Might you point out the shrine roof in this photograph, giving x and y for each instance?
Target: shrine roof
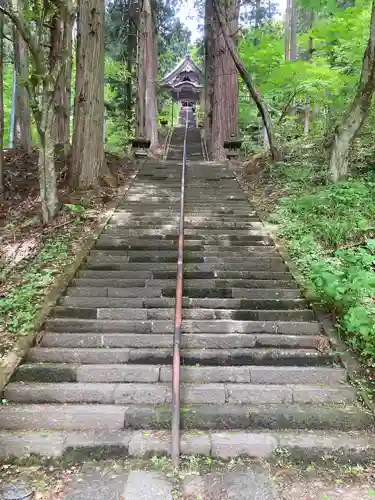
(186, 65)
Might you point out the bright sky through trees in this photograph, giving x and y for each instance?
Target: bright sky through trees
(187, 15)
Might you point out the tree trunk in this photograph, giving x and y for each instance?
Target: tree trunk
(288, 11)
(310, 48)
(22, 122)
(61, 41)
(46, 162)
(225, 85)
(293, 30)
(254, 92)
(129, 79)
(151, 118)
(88, 147)
(2, 184)
(141, 74)
(209, 71)
(358, 110)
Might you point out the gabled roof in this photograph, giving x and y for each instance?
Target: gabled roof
(185, 65)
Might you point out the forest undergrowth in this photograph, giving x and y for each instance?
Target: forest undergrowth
(32, 255)
(329, 233)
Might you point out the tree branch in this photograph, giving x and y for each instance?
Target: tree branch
(26, 34)
(254, 92)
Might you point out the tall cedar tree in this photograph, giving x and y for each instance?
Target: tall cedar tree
(88, 143)
(22, 122)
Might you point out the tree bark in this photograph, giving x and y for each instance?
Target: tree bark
(22, 123)
(254, 92)
(288, 11)
(141, 74)
(46, 163)
(61, 41)
(88, 147)
(310, 48)
(209, 71)
(357, 112)
(225, 81)
(293, 30)
(2, 183)
(151, 118)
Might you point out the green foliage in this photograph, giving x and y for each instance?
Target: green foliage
(8, 88)
(346, 282)
(327, 77)
(328, 234)
(19, 308)
(335, 214)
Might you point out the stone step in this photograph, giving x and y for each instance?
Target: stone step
(144, 222)
(143, 314)
(198, 251)
(104, 417)
(233, 225)
(306, 446)
(192, 341)
(274, 265)
(246, 285)
(75, 292)
(67, 325)
(188, 275)
(121, 243)
(61, 371)
(170, 230)
(230, 262)
(207, 357)
(193, 292)
(159, 393)
(187, 303)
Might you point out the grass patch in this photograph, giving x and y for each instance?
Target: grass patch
(328, 231)
(18, 309)
(28, 273)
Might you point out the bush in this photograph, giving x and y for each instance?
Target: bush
(328, 233)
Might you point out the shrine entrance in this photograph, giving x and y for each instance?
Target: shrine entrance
(185, 84)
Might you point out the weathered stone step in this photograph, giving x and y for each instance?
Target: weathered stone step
(121, 313)
(204, 284)
(192, 292)
(300, 446)
(170, 250)
(209, 217)
(104, 417)
(318, 377)
(158, 393)
(265, 264)
(235, 225)
(132, 222)
(273, 263)
(192, 341)
(97, 302)
(188, 275)
(100, 292)
(121, 243)
(142, 222)
(207, 357)
(170, 230)
(67, 325)
(248, 265)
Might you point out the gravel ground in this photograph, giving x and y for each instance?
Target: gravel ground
(292, 482)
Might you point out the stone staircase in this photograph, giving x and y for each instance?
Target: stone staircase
(251, 356)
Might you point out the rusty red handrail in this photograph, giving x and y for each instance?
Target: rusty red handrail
(178, 320)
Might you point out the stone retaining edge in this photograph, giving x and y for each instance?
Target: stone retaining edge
(326, 319)
(299, 446)
(11, 361)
